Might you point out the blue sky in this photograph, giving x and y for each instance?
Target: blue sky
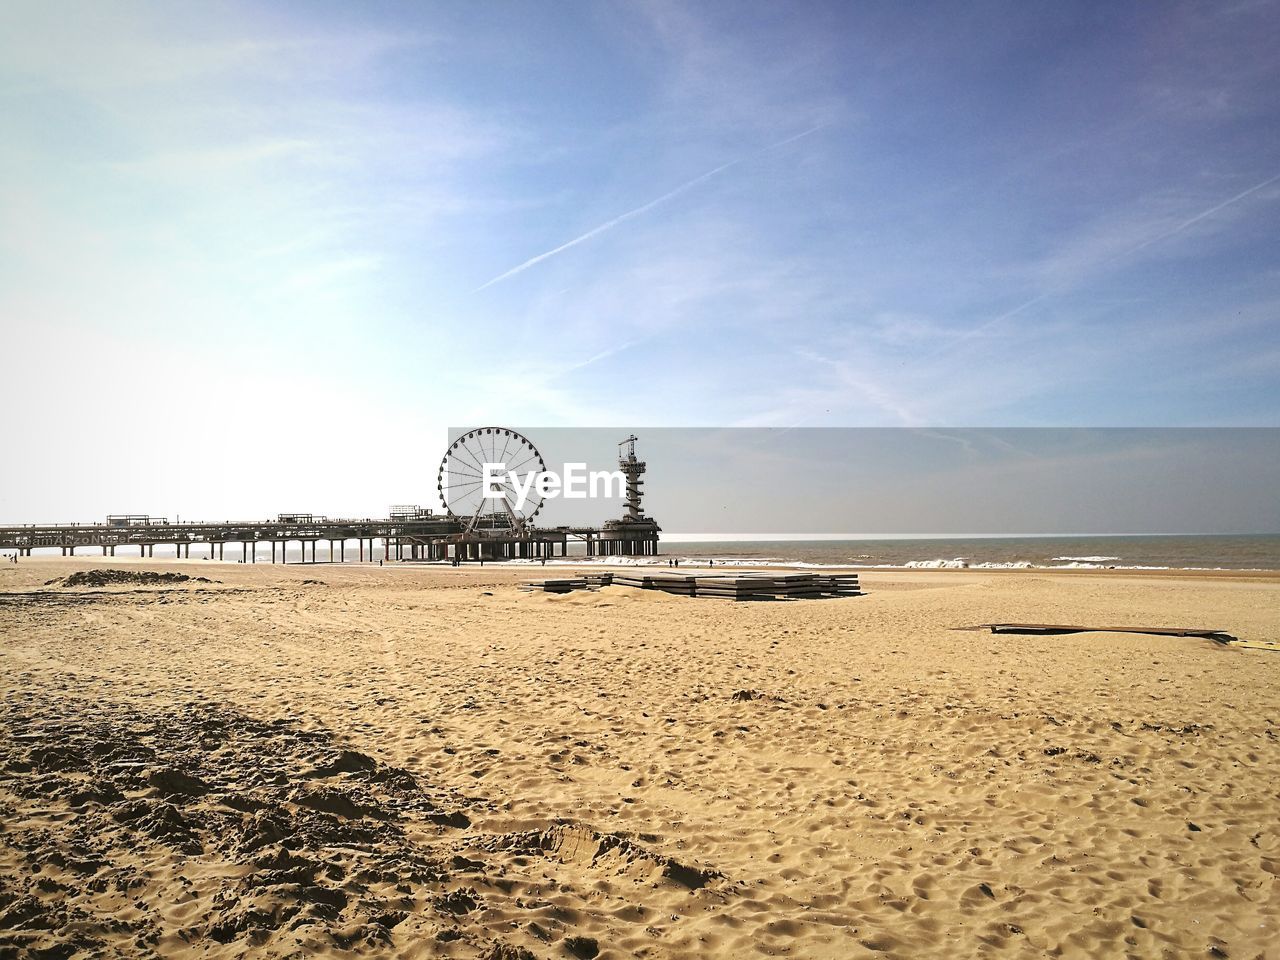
(276, 237)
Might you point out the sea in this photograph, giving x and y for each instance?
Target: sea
(1165, 552)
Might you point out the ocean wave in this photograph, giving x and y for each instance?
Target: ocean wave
(963, 563)
(1086, 559)
(957, 563)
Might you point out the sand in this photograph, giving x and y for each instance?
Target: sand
(413, 762)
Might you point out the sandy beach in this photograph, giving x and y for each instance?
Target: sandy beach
(415, 761)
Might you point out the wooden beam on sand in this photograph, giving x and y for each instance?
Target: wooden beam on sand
(1221, 636)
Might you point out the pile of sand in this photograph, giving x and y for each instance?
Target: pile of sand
(103, 578)
(135, 830)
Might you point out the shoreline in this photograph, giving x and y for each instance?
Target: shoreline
(531, 567)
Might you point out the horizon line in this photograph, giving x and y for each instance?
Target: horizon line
(681, 537)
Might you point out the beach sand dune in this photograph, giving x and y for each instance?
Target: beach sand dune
(420, 762)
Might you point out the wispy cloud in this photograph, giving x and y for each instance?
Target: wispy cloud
(597, 357)
(1090, 266)
(871, 391)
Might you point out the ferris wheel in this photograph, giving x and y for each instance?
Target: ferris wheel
(460, 480)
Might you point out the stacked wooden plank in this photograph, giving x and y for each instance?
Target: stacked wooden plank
(679, 583)
(842, 585)
(556, 586)
(758, 586)
(748, 585)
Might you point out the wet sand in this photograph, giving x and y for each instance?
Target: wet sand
(412, 761)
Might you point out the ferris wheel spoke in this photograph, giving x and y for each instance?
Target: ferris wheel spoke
(515, 494)
(457, 462)
(529, 459)
(464, 473)
(472, 457)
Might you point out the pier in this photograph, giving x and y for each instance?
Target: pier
(324, 540)
(408, 533)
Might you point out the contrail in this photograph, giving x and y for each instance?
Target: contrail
(630, 214)
(608, 225)
(1200, 216)
(799, 136)
(983, 327)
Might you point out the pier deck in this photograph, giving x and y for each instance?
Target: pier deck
(422, 538)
